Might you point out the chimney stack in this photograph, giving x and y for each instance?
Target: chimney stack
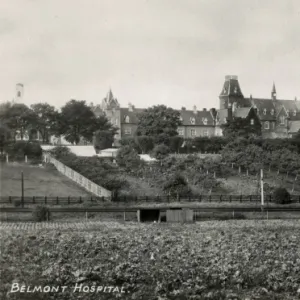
(130, 107)
(204, 109)
(195, 109)
(183, 108)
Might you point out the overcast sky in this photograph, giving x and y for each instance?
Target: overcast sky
(174, 52)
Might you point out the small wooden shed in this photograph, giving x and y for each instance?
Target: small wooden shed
(181, 215)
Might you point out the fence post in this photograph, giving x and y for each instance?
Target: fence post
(233, 214)
(200, 198)
(80, 201)
(230, 198)
(57, 201)
(103, 198)
(220, 198)
(91, 198)
(68, 199)
(241, 198)
(86, 215)
(124, 216)
(7, 158)
(209, 198)
(9, 199)
(45, 199)
(26, 160)
(33, 199)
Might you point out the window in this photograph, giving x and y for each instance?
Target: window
(205, 133)
(19, 94)
(252, 121)
(180, 131)
(204, 120)
(288, 113)
(180, 118)
(193, 132)
(127, 120)
(127, 130)
(265, 111)
(282, 120)
(267, 125)
(273, 125)
(117, 121)
(294, 113)
(272, 111)
(192, 121)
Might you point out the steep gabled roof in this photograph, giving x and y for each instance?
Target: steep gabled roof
(242, 112)
(264, 104)
(187, 115)
(133, 118)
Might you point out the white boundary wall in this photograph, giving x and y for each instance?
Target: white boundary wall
(90, 186)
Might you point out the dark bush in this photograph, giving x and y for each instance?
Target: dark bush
(160, 151)
(41, 213)
(17, 150)
(281, 196)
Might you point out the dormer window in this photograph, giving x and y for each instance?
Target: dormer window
(180, 118)
(127, 119)
(294, 113)
(235, 90)
(272, 111)
(288, 113)
(193, 121)
(265, 111)
(204, 120)
(252, 121)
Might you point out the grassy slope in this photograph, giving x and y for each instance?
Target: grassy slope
(37, 182)
(211, 259)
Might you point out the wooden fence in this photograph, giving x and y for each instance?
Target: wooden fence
(87, 184)
(146, 199)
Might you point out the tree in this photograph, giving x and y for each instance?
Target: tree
(45, 120)
(157, 120)
(104, 135)
(176, 143)
(176, 186)
(241, 127)
(77, 120)
(128, 158)
(18, 118)
(160, 151)
(145, 143)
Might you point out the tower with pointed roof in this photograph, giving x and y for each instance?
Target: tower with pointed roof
(231, 93)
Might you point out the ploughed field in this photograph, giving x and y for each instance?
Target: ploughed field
(208, 260)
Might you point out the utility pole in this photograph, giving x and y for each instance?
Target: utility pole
(262, 187)
(22, 183)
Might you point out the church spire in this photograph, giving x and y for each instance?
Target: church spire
(273, 93)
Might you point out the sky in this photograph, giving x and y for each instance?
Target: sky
(149, 52)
